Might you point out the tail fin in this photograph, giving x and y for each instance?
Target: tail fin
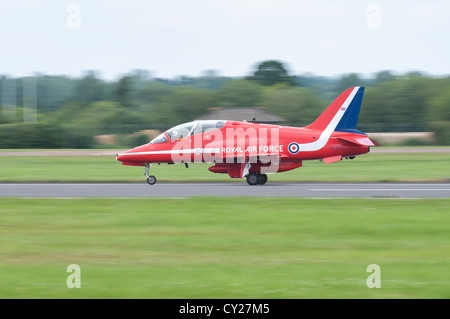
(342, 114)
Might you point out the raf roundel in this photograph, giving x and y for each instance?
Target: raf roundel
(293, 148)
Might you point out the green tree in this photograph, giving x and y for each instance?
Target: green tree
(155, 91)
(441, 130)
(299, 106)
(108, 117)
(399, 105)
(185, 104)
(272, 72)
(347, 81)
(124, 91)
(439, 107)
(384, 76)
(90, 89)
(439, 116)
(67, 113)
(241, 93)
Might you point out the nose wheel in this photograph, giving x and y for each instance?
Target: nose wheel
(150, 178)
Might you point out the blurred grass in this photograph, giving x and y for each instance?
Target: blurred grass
(366, 168)
(224, 247)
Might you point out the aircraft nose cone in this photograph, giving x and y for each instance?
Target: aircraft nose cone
(125, 156)
(134, 155)
(119, 157)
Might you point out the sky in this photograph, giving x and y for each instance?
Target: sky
(171, 38)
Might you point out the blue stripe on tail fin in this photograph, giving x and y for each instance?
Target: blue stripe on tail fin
(350, 118)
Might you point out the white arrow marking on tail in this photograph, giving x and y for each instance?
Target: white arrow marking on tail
(326, 133)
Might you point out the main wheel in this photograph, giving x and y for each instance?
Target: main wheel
(151, 180)
(252, 179)
(262, 179)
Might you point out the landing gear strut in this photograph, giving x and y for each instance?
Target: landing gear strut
(255, 179)
(150, 178)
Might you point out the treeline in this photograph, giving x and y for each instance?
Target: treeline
(80, 108)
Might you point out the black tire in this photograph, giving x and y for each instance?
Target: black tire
(262, 179)
(252, 179)
(151, 180)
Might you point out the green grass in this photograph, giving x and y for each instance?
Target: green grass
(365, 168)
(224, 248)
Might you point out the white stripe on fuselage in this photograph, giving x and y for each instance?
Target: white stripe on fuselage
(180, 151)
(326, 133)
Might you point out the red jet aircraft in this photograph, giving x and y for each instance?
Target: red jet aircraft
(249, 149)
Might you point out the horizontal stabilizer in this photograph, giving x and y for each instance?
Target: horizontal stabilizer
(363, 140)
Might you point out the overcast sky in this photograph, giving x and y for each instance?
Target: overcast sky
(186, 37)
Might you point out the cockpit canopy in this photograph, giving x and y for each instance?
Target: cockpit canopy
(188, 129)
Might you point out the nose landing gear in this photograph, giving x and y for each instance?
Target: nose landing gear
(150, 178)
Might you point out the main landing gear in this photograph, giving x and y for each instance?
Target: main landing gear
(150, 178)
(256, 178)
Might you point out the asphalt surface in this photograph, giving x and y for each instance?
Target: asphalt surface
(182, 190)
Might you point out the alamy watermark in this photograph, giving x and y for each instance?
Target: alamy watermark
(74, 279)
(374, 19)
(374, 279)
(73, 20)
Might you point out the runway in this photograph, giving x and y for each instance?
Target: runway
(183, 190)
